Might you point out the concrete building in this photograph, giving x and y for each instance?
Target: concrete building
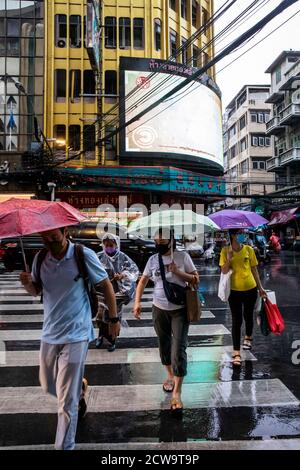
(77, 60)
(246, 145)
(284, 125)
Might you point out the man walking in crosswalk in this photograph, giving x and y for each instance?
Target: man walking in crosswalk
(67, 327)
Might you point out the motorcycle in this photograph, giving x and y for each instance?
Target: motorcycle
(263, 253)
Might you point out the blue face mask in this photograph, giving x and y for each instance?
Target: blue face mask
(241, 237)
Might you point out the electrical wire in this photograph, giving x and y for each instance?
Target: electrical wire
(156, 89)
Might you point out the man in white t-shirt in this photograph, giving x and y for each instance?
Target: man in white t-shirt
(170, 319)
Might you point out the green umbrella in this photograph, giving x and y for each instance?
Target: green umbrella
(182, 222)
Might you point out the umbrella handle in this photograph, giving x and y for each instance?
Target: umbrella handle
(24, 257)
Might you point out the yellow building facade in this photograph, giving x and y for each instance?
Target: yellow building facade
(129, 28)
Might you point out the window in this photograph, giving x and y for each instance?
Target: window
(243, 145)
(74, 137)
(75, 31)
(204, 19)
(184, 51)
(110, 32)
(89, 138)
(233, 152)
(267, 117)
(74, 84)
(278, 75)
(110, 82)
(172, 4)
(195, 56)
(267, 141)
(253, 117)
(184, 9)
(205, 58)
(124, 33)
(61, 30)
(173, 43)
(13, 27)
(231, 131)
(110, 142)
(195, 7)
(60, 84)
(157, 34)
(242, 122)
(138, 33)
(261, 141)
(254, 141)
(258, 164)
(261, 118)
(60, 136)
(244, 167)
(89, 85)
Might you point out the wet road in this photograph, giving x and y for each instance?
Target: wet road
(259, 401)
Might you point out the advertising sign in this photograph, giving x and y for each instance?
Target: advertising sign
(93, 33)
(187, 127)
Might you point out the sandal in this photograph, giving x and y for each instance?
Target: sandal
(247, 344)
(176, 405)
(168, 385)
(236, 360)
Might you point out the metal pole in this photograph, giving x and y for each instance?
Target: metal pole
(24, 257)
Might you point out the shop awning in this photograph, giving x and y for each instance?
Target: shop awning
(282, 217)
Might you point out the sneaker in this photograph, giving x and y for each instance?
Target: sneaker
(82, 406)
(99, 342)
(111, 347)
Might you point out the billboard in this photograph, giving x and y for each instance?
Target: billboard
(187, 128)
(93, 33)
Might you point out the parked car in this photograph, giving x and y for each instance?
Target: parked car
(87, 233)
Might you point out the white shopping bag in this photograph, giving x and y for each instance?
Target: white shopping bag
(257, 306)
(224, 286)
(271, 296)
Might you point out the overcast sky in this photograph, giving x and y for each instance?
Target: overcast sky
(250, 69)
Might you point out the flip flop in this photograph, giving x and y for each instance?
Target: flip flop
(168, 385)
(176, 405)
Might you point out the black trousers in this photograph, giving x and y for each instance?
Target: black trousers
(242, 303)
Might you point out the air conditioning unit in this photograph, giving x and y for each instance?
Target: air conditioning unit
(61, 43)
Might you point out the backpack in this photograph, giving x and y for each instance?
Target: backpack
(83, 272)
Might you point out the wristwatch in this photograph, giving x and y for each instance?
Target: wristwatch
(114, 319)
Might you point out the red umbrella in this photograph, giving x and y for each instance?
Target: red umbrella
(20, 217)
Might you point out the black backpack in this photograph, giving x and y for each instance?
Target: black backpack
(83, 272)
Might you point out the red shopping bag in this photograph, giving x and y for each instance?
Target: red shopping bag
(275, 320)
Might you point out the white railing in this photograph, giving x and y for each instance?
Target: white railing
(290, 155)
(291, 110)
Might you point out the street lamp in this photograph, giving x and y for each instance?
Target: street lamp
(21, 89)
(52, 187)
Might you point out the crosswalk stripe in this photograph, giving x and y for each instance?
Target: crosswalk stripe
(136, 332)
(126, 316)
(130, 356)
(102, 399)
(270, 444)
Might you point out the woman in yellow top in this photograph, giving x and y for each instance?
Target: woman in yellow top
(245, 281)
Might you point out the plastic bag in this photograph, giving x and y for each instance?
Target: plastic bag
(224, 286)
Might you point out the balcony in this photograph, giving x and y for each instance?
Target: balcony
(273, 126)
(273, 163)
(291, 155)
(290, 115)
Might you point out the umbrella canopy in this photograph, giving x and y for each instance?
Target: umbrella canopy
(20, 217)
(181, 221)
(228, 218)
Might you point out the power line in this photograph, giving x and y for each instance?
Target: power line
(111, 123)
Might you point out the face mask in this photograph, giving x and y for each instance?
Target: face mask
(241, 238)
(162, 249)
(110, 250)
(55, 248)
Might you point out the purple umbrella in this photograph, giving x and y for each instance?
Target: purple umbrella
(229, 218)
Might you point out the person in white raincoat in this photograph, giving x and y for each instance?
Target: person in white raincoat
(122, 272)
